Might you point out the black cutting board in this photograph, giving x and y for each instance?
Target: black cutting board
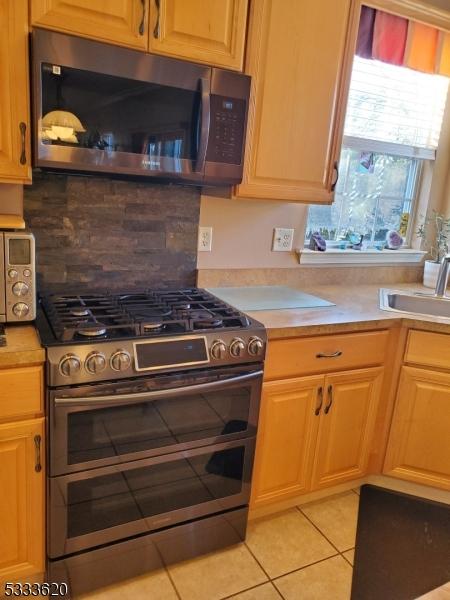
(402, 546)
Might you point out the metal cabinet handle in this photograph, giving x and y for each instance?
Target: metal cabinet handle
(158, 15)
(332, 355)
(336, 169)
(23, 130)
(330, 399)
(142, 23)
(320, 397)
(37, 448)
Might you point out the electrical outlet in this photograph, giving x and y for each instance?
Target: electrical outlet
(282, 239)
(204, 239)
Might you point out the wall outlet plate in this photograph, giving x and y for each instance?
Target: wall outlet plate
(282, 239)
(204, 239)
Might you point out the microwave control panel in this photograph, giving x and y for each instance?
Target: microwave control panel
(226, 130)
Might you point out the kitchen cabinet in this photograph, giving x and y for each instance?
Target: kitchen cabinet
(318, 413)
(419, 440)
(22, 500)
(210, 32)
(15, 166)
(122, 22)
(346, 426)
(299, 55)
(286, 438)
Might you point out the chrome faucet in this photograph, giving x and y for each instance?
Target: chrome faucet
(442, 280)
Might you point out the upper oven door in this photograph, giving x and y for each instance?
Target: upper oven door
(102, 425)
(2, 280)
(107, 109)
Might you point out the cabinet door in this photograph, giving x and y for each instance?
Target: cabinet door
(21, 500)
(296, 55)
(211, 32)
(14, 108)
(122, 22)
(346, 426)
(419, 441)
(286, 437)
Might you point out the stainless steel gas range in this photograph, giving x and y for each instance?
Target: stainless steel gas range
(152, 410)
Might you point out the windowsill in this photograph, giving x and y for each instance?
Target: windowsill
(334, 256)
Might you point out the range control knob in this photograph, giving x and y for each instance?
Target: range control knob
(69, 365)
(12, 273)
(218, 349)
(21, 309)
(95, 362)
(120, 360)
(237, 347)
(255, 346)
(20, 288)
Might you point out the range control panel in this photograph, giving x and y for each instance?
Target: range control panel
(226, 130)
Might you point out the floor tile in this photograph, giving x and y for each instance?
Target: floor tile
(153, 586)
(331, 578)
(336, 517)
(263, 592)
(350, 556)
(217, 575)
(285, 542)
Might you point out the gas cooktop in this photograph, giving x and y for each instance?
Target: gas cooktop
(89, 317)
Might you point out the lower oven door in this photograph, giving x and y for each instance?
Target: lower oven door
(106, 424)
(99, 506)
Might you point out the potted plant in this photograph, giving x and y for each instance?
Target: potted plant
(437, 241)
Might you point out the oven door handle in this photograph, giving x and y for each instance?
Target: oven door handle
(114, 400)
(204, 122)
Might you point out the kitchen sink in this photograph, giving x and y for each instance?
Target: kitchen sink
(416, 303)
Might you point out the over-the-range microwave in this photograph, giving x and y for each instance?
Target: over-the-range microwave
(99, 108)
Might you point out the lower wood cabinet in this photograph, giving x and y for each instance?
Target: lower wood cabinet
(314, 432)
(419, 440)
(21, 500)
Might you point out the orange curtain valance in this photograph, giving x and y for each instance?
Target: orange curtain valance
(402, 42)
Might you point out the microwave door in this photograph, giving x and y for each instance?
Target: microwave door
(2, 280)
(204, 122)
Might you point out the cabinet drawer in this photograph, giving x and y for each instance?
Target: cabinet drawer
(429, 349)
(20, 392)
(299, 356)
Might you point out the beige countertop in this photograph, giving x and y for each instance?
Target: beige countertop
(22, 347)
(357, 308)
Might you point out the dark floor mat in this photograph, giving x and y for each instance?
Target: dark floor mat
(402, 546)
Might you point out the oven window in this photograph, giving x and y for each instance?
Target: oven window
(107, 432)
(83, 109)
(110, 500)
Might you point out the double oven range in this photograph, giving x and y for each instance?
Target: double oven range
(152, 411)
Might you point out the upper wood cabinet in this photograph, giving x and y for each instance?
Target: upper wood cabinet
(419, 441)
(123, 22)
(211, 31)
(15, 165)
(22, 521)
(299, 55)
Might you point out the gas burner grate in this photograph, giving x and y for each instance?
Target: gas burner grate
(130, 315)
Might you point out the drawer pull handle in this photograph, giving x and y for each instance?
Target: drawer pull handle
(332, 355)
(320, 398)
(23, 130)
(37, 448)
(158, 15)
(142, 23)
(330, 401)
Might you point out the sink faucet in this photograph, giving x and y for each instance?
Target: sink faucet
(442, 280)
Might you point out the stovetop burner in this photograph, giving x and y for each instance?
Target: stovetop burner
(132, 315)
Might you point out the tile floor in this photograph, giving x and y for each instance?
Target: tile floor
(305, 553)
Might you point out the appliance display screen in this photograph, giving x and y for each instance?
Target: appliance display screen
(168, 353)
(19, 251)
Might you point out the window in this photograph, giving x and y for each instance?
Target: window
(393, 124)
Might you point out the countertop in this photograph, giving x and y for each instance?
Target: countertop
(22, 347)
(356, 308)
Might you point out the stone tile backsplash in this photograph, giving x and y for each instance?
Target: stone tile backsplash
(96, 233)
